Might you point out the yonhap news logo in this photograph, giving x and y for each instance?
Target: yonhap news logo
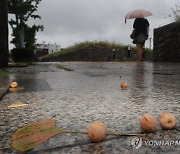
(138, 142)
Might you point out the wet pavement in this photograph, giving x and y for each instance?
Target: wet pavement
(92, 92)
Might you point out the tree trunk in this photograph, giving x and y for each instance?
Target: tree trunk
(21, 31)
(4, 52)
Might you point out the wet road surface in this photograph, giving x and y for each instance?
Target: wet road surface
(92, 92)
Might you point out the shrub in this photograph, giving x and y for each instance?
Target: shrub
(148, 51)
(22, 55)
(81, 45)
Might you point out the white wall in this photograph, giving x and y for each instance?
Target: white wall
(51, 47)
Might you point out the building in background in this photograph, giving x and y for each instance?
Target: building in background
(43, 49)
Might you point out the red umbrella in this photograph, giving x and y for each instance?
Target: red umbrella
(137, 14)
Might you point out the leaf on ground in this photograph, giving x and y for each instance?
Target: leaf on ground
(17, 104)
(33, 134)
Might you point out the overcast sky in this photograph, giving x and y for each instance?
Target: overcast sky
(71, 21)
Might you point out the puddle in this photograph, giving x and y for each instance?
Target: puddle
(33, 85)
(92, 74)
(157, 73)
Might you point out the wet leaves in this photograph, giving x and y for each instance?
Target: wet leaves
(34, 134)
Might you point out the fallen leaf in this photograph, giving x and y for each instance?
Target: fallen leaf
(17, 104)
(33, 134)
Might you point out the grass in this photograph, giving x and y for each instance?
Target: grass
(64, 68)
(81, 45)
(148, 51)
(107, 44)
(19, 64)
(3, 71)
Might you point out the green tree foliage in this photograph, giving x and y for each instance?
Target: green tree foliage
(29, 37)
(24, 35)
(176, 13)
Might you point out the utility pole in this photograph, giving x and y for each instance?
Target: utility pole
(150, 42)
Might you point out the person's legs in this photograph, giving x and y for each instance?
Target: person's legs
(139, 51)
(140, 44)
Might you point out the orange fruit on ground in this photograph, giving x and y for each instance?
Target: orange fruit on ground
(97, 131)
(14, 84)
(148, 123)
(123, 84)
(167, 120)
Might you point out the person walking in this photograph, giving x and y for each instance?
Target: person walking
(141, 32)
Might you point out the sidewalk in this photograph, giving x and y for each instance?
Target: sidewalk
(92, 92)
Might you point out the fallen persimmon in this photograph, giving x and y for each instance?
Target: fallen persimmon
(13, 84)
(123, 84)
(167, 120)
(148, 123)
(97, 131)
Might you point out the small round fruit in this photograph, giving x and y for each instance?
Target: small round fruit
(148, 123)
(167, 120)
(123, 84)
(14, 84)
(97, 131)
